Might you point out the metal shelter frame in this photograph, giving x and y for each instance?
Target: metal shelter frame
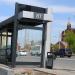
(13, 24)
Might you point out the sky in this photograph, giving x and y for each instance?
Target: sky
(61, 11)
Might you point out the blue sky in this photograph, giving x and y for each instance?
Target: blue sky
(61, 10)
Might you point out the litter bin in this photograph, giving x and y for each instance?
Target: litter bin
(49, 62)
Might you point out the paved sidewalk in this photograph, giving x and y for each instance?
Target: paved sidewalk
(43, 71)
(22, 71)
(57, 72)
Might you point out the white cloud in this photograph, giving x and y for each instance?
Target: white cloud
(29, 2)
(63, 9)
(56, 8)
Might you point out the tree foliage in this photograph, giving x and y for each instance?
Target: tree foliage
(70, 38)
(54, 47)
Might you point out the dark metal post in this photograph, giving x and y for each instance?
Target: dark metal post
(6, 44)
(1, 39)
(43, 45)
(14, 37)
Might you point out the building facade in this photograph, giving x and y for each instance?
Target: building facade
(69, 28)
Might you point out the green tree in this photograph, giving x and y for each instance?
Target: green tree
(70, 38)
(54, 47)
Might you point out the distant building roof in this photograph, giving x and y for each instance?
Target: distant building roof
(62, 44)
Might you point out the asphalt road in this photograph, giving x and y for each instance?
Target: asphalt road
(65, 63)
(28, 58)
(59, 63)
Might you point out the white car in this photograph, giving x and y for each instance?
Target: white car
(22, 53)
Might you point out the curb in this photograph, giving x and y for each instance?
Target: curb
(64, 69)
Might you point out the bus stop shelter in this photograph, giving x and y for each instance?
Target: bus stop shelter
(25, 17)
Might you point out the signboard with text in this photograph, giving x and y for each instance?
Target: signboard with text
(38, 15)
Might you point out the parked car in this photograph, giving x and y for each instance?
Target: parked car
(63, 52)
(22, 53)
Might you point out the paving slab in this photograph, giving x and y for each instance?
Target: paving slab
(22, 71)
(5, 70)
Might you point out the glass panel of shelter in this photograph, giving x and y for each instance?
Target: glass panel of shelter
(2, 50)
(29, 45)
(5, 47)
